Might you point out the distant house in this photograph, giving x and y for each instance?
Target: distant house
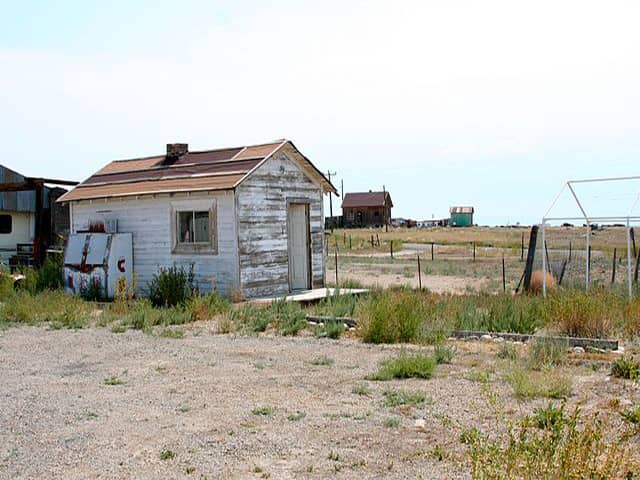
(30, 219)
(461, 216)
(247, 219)
(366, 209)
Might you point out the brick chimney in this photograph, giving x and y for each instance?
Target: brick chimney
(175, 151)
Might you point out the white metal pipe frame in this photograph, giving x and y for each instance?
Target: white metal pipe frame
(627, 219)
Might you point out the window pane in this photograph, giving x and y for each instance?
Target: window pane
(202, 227)
(185, 227)
(5, 224)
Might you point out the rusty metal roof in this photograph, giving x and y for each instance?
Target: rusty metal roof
(461, 210)
(220, 169)
(366, 199)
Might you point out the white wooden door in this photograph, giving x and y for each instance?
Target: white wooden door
(298, 246)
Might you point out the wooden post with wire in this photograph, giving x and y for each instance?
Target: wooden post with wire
(613, 271)
(336, 255)
(432, 255)
(419, 274)
(504, 276)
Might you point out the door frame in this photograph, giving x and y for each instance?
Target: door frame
(307, 210)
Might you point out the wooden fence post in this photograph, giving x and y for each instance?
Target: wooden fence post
(432, 257)
(570, 251)
(504, 276)
(349, 242)
(419, 274)
(613, 272)
(474, 251)
(522, 248)
(391, 247)
(337, 269)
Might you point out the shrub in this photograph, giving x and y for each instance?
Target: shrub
(330, 329)
(124, 294)
(114, 381)
(323, 361)
(49, 275)
(92, 291)
(6, 285)
(396, 398)
(532, 384)
(568, 450)
(205, 307)
(172, 333)
(499, 313)
(443, 354)
(142, 316)
(626, 367)
(225, 323)
(252, 319)
(263, 411)
(583, 314)
(54, 307)
(508, 351)
(296, 417)
(337, 305)
(171, 286)
(391, 316)
(289, 317)
(167, 455)
(632, 415)
(547, 352)
(405, 366)
(549, 417)
(392, 422)
(362, 390)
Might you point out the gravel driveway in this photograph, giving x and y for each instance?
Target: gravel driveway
(94, 404)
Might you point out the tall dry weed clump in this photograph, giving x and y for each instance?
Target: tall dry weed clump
(631, 322)
(571, 446)
(593, 314)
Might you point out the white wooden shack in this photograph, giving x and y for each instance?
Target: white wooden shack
(246, 218)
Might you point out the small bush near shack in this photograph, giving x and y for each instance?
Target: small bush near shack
(205, 307)
(171, 286)
(392, 316)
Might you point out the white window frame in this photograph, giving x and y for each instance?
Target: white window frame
(195, 248)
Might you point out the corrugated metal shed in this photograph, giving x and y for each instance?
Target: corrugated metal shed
(24, 201)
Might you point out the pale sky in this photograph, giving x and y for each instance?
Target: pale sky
(487, 103)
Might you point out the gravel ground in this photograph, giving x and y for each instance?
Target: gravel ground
(194, 399)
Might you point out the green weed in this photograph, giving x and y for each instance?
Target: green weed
(396, 398)
(405, 366)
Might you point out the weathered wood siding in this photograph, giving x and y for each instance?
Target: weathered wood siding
(150, 221)
(262, 225)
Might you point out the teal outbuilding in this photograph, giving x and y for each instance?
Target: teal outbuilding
(461, 216)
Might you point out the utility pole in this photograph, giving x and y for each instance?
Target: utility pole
(329, 174)
(385, 216)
